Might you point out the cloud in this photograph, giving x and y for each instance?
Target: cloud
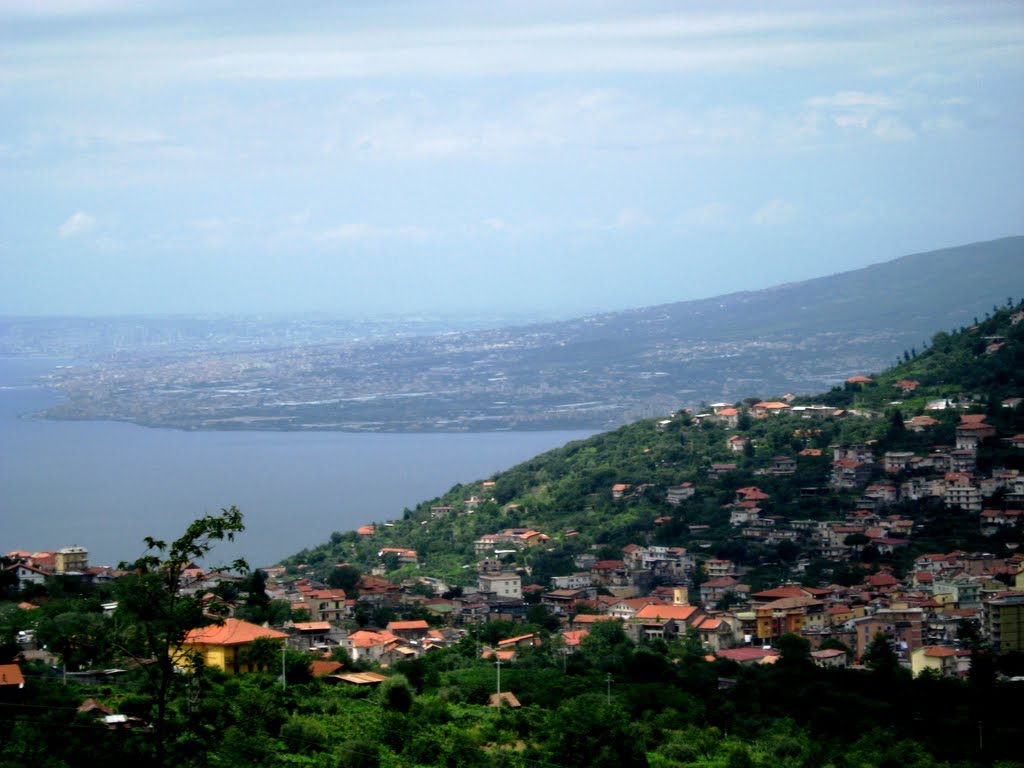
(945, 126)
(631, 218)
(358, 232)
(893, 129)
(78, 223)
(705, 216)
(848, 99)
(774, 213)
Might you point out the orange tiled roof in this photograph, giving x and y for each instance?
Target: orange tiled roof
(231, 632)
(10, 674)
(419, 624)
(677, 612)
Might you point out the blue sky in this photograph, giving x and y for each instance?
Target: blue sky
(560, 158)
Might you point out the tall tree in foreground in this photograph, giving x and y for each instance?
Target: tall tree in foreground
(155, 615)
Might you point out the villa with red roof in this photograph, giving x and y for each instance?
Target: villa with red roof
(224, 645)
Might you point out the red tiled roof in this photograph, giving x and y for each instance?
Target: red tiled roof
(320, 668)
(231, 632)
(418, 624)
(747, 654)
(676, 612)
(939, 651)
(10, 674)
(313, 626)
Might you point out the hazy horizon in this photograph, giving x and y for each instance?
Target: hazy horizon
(398, 159)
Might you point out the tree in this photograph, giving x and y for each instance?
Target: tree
(345, 577)
(880, 656)
(795, 652)
(153, 614)
(262, 654)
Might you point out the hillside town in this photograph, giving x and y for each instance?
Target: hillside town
(930, 615)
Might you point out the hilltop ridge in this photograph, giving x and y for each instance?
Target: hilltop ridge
(595, 372)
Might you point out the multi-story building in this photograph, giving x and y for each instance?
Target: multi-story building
(904, 628)
(326, 604)
(1004, 623)
(961, 492)
(506, 585)
(71, 560)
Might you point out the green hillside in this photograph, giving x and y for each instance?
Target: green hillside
(567, 494)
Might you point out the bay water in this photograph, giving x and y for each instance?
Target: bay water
(106, 485)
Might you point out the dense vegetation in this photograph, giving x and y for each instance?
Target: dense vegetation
(614, 703)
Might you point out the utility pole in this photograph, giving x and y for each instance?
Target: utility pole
(608, 684)
(284, 682)
(498, 665)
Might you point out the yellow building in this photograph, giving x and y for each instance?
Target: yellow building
(224, 645)
(71, 560)
(935, 657)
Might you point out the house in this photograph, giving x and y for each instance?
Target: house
(572, 639)
(324, 667)
(970, 435)
(663, 621)
(574, 581)
(506, 585)
(903, 627)
(829, 658)
(11, 677)
(409, 630)
(897, 461)
(770, 408)
(993, 519)
(71, 560)
(789, 615)
(848, 474)
(563, 601)
(404, 556)
(27, 575)
(361, 679)
(788, 590)
(326, 604)
(610, 573)
(920, 423)
(717, 632)
(364, 644)
(737, 443)
(938, 658)
(782, 465)
(713, 590)
(747, 656)
(716, 471)
(962, 493)
(310, 634)
(224, 646)
(717, 568)
(630, 607)
(676, 494)
(1003, 622)
(729, 416)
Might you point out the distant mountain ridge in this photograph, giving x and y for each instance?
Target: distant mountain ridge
(592, 372)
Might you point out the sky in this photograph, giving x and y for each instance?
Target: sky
(562, 158)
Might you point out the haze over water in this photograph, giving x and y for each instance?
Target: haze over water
(105, 485)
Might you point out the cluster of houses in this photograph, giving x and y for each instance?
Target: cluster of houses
(666, 592)
(648, 588)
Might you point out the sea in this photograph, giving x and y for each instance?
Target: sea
(107, 485)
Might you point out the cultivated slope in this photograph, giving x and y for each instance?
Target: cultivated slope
(595, 372)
